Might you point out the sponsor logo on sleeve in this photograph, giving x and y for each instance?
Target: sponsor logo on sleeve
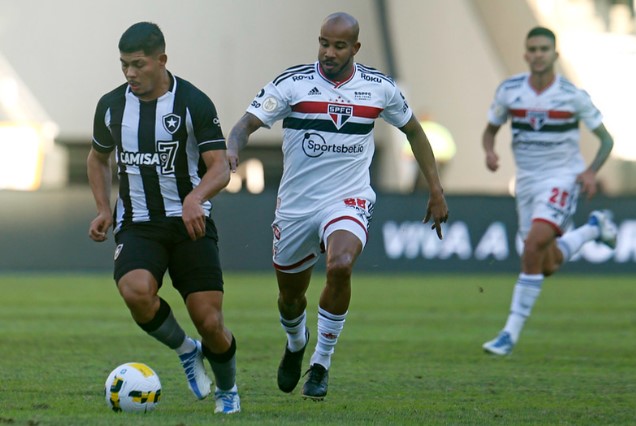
(270, 104)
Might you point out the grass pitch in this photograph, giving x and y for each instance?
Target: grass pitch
(410, 353)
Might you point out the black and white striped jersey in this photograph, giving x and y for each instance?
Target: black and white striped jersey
(157, 147)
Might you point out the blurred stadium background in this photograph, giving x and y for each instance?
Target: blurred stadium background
(58, 58)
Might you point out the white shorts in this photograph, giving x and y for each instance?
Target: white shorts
(552, 200)
(299, 241)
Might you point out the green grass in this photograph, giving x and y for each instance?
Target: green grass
(410, 353)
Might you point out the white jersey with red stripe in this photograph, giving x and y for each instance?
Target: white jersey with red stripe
(545, 125)
(328, 132)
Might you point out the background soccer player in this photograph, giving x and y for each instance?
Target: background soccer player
(325, 200)
(545, 110)
(160, 127)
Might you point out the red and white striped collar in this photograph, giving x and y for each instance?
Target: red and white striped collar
(337, 83)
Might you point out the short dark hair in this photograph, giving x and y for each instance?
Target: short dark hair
(542, 31)
(145, 36)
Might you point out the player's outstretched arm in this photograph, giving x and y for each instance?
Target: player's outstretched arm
(436, 209)
(239, 136)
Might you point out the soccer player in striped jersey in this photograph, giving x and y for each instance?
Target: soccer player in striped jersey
(545, 110)
(171, 157)
(325, 200)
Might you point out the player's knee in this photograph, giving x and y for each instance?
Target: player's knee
(136, 298)
(531, 247)
(550, 269)
(211, 324)
(553, 260)
(340, 267)
(139, 290)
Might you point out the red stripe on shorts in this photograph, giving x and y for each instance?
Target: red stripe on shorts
(295, 265)
(338, 219)
(557, 228)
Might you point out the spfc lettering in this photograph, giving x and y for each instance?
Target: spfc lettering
(340, 114)
(171, 123)
(362, 96)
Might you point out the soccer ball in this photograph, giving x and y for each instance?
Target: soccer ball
(133, 387)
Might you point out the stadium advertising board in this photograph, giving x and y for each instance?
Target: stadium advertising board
(479, 237)
(482, 236)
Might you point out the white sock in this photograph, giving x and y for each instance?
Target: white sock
(524, 296)
(329, 328)
(571, 242)
(295, 329)
(188, 345)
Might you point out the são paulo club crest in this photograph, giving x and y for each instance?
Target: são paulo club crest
(171, 123)
(340, 114)
(537, 119)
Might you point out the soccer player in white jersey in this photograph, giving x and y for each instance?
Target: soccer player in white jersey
(325, 200)
(545, 110)
(160, 127)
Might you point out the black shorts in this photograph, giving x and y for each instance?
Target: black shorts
(163, 245)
